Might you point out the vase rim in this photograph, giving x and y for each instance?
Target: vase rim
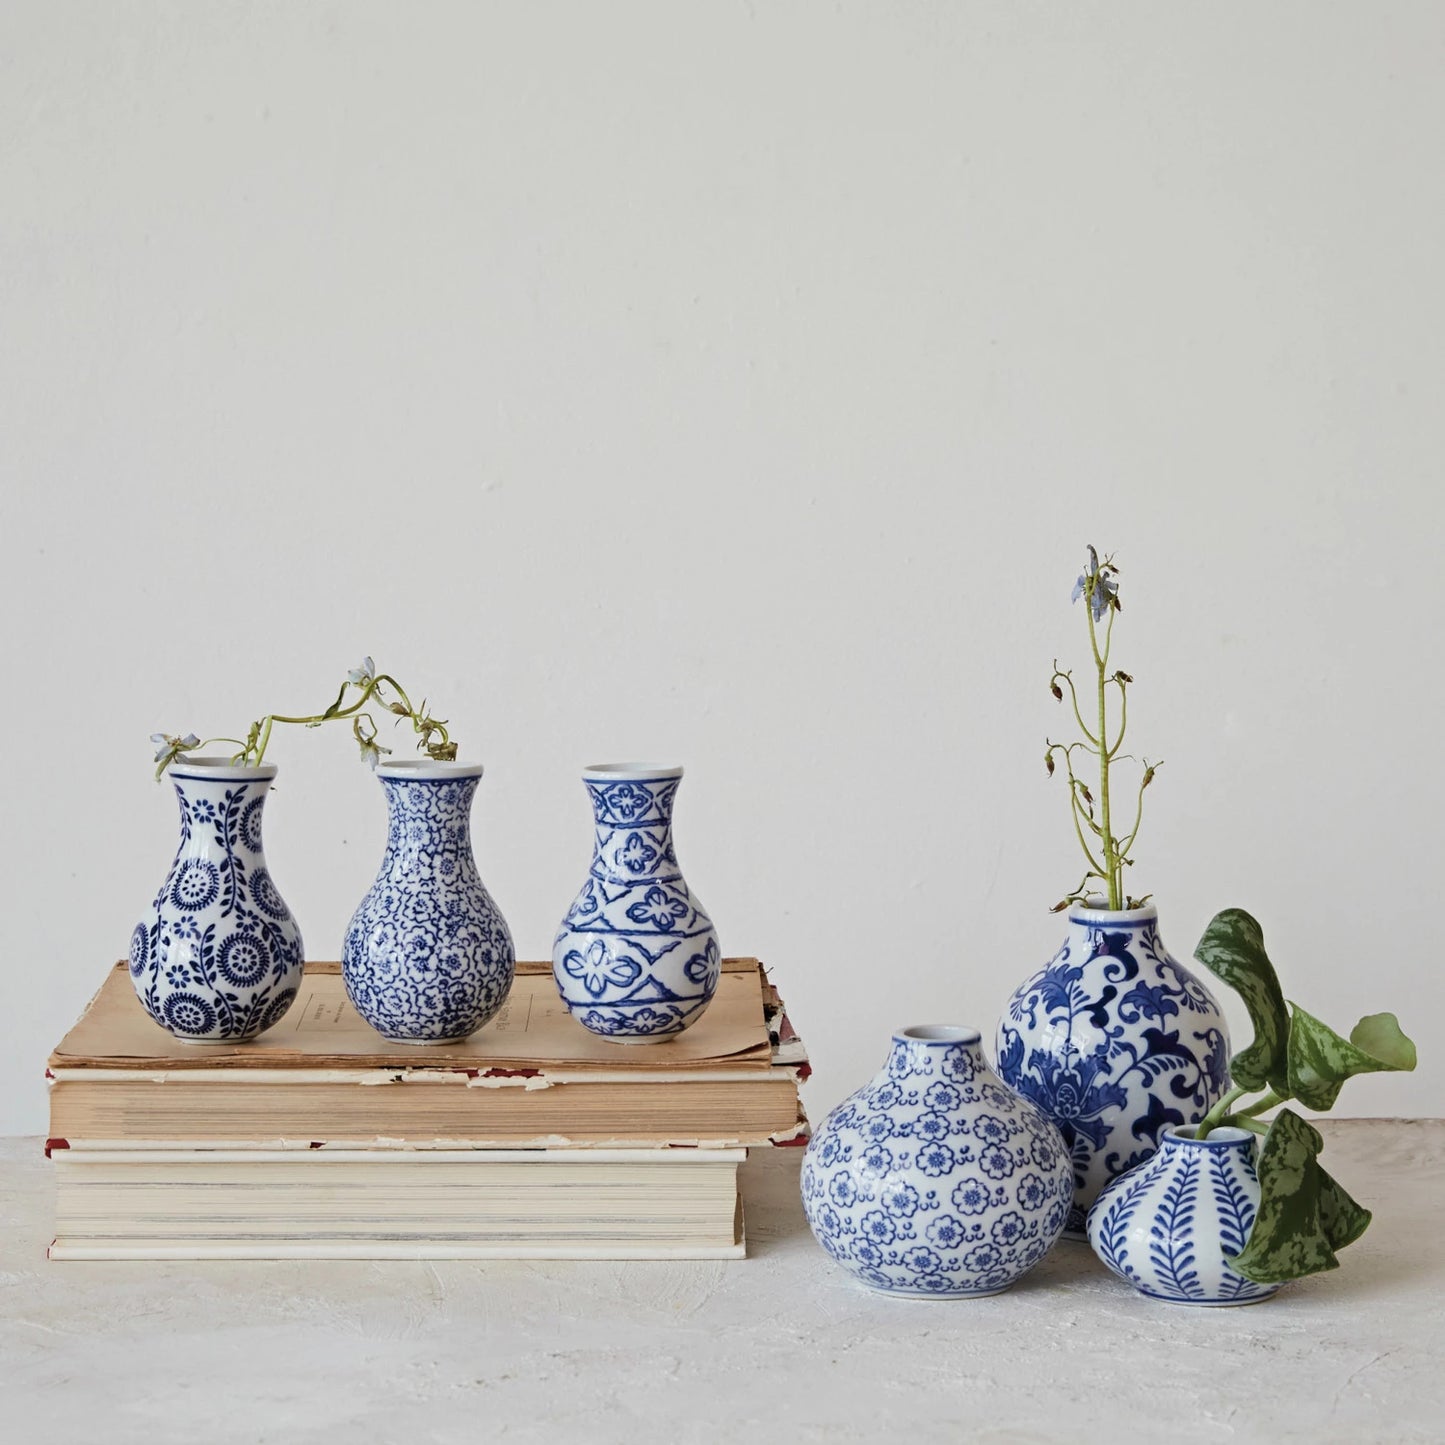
(938, 1035)
(1093, 913)
(629, 772)
(1224, 1137)
(222, 770)
(427, 769)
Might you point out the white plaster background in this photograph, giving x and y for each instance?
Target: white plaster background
(736, 384)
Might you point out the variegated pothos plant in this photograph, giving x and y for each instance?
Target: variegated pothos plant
(1304, 1215)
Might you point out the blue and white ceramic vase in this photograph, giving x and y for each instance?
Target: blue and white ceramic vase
(934, 1179)
(1116, 1041)
(218, 957)
(1167, 1224)
(428, 957)
(636, 959)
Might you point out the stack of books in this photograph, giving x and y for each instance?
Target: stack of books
(532, 1139)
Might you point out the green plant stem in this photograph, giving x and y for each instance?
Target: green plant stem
(1112, 869)
(1260, 1105)
(369, 690)
(1216, 1116)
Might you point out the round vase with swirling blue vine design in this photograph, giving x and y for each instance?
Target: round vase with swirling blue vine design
(1116, 1041)
(636, 959)
(935, 1179)
(218, 957)
(428, 957)
(1167, 1224)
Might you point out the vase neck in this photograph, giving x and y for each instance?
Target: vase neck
(936, 1051)
(1097, 930)
(429, 826)
(632, 819)
(1237, 1142)
(220, 815)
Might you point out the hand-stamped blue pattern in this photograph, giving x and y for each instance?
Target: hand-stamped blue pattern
(636, 958)
(1168, 1224)
(218, 956)
(1117, 1041)
(935, 1179)
(428, 957)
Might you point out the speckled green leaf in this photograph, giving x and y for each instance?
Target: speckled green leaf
(1319, 1060)
(1342, 1220)
(1233, 950)
(1289, 1239)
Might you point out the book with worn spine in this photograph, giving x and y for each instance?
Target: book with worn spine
(531, 1078)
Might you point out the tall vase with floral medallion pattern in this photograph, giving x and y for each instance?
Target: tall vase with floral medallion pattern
(428, 957)
(1168, 1224)
(1116, 1041)
(636, 959)
(934, 1179)
(218, 956)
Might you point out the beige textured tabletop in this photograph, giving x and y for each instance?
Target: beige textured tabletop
(781, 1346)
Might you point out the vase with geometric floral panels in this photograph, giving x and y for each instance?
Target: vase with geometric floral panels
(636, 959)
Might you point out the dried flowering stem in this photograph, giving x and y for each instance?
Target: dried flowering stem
(369, 686)
(1106, 852)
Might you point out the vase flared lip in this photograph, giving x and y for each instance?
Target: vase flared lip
(221, 770)
(1096, 911)
(939, 1035)
(427, 770)
(1224, 1137)
(629, 773)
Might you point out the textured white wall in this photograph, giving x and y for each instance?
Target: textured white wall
(738, 385)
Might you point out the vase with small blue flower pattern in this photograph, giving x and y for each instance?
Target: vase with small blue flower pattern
(1168, 1225)
(935, 1179)
(428, 957)
(636, 959)
(218, 957)
(1116, 1041)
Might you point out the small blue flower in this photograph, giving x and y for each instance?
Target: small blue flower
(364, 674)
(627, 800)
(1105, 587)
(899, 1198)
(879, 1227)
(997, 1162)
(660, 909)
(983, 1257)
(598, 968)
(866, 1252)
(946, 1232)
(935, 1160)
(876, 1127)
(931, 1127)
(990, 1129)
(168, 747)
(1007, 1228)
(1031, 1192)
(637, 855)
(971, 1196)
(922, 1260)
(877, 1160)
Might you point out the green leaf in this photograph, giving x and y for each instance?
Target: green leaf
(1342, 1220)
(1232, 949)
(1289, 1238)
(1381, 1036)
(1319, 1060)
